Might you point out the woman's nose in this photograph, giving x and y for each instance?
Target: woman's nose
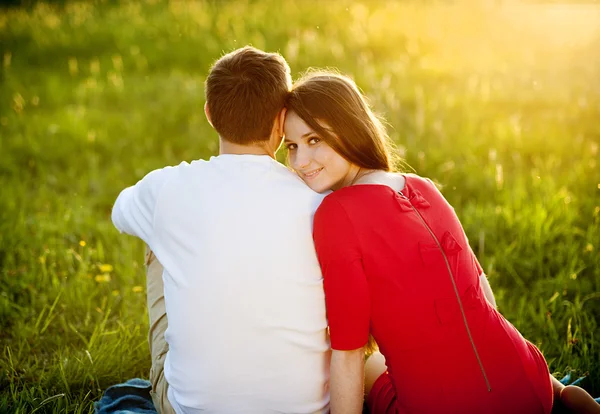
(302, 159)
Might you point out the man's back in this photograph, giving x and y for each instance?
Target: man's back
(243, 288)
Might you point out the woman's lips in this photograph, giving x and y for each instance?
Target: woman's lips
(313, 173)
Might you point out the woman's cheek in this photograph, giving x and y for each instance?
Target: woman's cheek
(321, 157)
(292, 160)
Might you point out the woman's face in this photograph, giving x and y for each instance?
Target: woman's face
(313, 159)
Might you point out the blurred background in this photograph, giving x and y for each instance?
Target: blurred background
(498, 102)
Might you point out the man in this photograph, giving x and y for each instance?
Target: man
(243, 295)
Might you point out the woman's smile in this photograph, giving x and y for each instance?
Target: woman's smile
(312, 174)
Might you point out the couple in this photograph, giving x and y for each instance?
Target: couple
(243, 293)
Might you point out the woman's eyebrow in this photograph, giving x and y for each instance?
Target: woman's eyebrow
(304, 136)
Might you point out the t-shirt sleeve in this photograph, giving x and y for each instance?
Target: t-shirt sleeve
(346, 290)
(133, 212)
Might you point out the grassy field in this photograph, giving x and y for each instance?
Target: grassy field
(500, 105)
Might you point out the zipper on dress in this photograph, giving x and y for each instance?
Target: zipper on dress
(462, 310)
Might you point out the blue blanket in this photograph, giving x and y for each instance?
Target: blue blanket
(133, 397)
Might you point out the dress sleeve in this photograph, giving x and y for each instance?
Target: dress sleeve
(133, 212)
(346, 289)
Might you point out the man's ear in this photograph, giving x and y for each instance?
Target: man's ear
(281, 122)
(207, 113)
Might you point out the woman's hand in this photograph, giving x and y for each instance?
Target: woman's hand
(347, 381)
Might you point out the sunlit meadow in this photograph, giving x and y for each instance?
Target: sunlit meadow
(499, 103)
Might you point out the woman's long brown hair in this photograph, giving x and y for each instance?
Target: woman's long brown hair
(332, 105)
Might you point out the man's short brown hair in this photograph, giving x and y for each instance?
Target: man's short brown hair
(245, 91)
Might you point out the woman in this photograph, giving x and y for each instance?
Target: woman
(397, 265)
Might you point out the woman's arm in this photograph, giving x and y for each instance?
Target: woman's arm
(348, 303)
(347, 381)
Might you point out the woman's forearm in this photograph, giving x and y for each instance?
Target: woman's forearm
(347, 381)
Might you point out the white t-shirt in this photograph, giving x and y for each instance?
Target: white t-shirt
(243, 288)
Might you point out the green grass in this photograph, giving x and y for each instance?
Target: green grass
(499, 107)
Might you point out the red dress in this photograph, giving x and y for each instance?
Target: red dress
(394, 265)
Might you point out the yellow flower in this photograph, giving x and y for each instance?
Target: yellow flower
(115, 292)
(95, 66)
(105, 268)
(137, 289)
(6, 59)
(103, 278)
(589, 247)
(91, 83)
(73, 67)
(82, 243)
(18, 103)
(117, 62)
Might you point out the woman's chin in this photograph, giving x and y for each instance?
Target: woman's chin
(318, 188)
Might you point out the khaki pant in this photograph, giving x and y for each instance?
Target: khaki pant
(155, 291)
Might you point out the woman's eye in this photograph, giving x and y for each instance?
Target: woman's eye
(314, 140)
(291, 147)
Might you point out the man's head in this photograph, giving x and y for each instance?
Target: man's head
(245, 94)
